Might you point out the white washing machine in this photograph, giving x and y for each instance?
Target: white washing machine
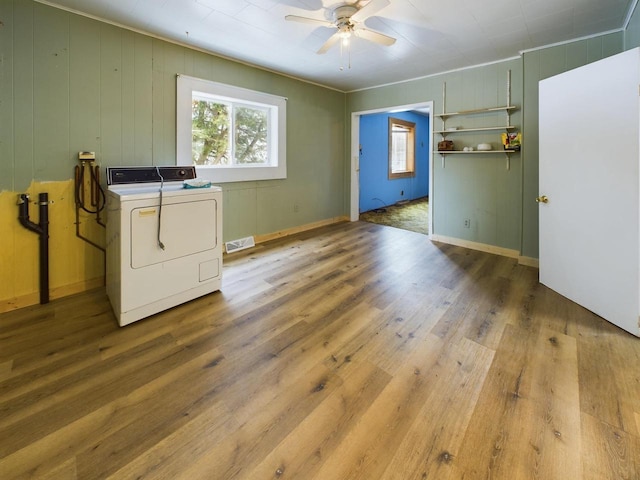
(164, 241)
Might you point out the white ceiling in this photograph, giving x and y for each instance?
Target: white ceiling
(433, 36)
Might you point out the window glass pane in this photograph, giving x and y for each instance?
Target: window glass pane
(399, 151)
(231, 134)
(401, 148)
(210, 132)
(251, 135)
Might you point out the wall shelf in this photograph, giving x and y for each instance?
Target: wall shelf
(480, 129)
(507, 127)
(507, 108)
(462, 152)
(507, 153)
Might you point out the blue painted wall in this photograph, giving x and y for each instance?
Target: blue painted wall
(376, 190)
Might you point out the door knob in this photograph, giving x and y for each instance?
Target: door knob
(542, 199)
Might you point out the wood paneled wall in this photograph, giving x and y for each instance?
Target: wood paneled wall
(70, 84)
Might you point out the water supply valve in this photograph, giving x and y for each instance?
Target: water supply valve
(86, 157)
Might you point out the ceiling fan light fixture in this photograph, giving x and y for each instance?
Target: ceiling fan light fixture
(348, 20)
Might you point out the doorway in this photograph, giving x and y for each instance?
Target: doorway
(393, 193)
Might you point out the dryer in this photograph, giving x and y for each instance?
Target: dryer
(164, 241)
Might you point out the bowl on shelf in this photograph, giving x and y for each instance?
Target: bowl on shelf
(484, 147)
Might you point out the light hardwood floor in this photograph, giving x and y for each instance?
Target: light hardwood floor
(354, 351)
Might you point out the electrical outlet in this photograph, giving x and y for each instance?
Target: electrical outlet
(296, 208)
(467, 223)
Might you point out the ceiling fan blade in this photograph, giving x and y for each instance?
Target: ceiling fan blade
(375, 37)
(333, 39)
(370, 9)
(313, 21)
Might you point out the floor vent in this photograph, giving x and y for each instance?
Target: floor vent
(239, 244)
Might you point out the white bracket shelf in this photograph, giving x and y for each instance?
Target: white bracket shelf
(507, 109)
(444, 133)
(507, 154)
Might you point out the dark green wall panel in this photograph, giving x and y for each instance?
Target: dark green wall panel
(143, 101)
(576, 55)
(632, 34)
(6, 100)
(128, 109)
(84, 75)
(110, 117)
(80, 84)
(52, 156)
(612, 44)
(174, 63)
(69, 83)
(23, 81)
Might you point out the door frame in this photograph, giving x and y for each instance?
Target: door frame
(355, 157)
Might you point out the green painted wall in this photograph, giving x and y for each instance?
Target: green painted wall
(475, 187)
(69, 83)
(500, 202)
(632, 33)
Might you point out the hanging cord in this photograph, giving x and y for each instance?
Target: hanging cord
(160, 244)
(98, 198)
(97, 193)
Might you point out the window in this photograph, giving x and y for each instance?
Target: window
(229, 133)
(401, 148)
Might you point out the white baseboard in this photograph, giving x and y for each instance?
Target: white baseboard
(529, 261)
(301, 228)
(482, 247)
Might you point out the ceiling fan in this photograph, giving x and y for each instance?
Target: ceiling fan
(348, 19)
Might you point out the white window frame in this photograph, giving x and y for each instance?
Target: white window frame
(277, 107)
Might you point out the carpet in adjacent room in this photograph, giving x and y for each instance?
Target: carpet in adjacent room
(412, 215)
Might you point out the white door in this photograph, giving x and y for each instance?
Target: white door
(589, 156)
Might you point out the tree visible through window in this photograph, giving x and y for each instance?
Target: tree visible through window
(401, 148)
(251, 129)
(228, 133)
(210, 133)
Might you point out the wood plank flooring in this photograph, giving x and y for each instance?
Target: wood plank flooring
(354, 351)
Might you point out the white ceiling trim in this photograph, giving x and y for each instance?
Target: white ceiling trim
(431, 75)
(185, 45)
(566, 42)
(431, 38)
